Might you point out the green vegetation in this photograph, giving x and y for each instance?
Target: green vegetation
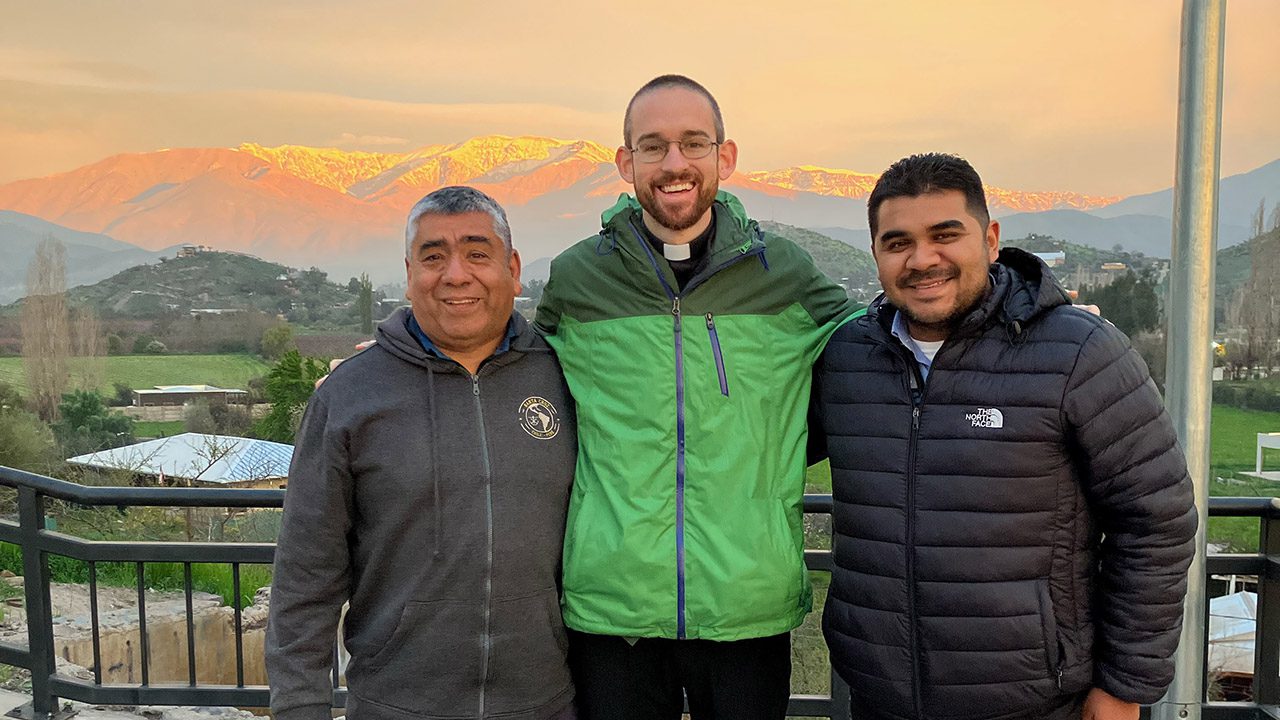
(205, 577)
(834, 258)
(144, 371)
(211, 280)
(289, 384)
(149, 429)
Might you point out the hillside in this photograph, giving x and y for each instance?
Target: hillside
(90, 257)
(835, 259)
(212, 280)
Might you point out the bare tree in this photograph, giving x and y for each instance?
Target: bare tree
(89, 346)
(45, 343)
(1260, 302)
(1258, 225)
(1274, 222)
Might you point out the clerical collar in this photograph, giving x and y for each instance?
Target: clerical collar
(689, 252)
(676, 252)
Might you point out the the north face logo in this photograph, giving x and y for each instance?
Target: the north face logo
(986, 417)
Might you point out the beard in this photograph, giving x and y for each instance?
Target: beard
(942, 319)
(672, 219)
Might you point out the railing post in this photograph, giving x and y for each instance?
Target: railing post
(1266, 629)
(35, 584)
(1190, 312)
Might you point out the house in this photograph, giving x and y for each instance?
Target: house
(183, 394)
(200, 460)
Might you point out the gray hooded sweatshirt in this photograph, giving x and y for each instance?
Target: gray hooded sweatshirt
(435, 502)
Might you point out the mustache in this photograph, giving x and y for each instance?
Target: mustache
(669, 178)
(924, 277)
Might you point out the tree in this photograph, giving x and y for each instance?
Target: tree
(1258, 225)
(289, 385)
(89, 346)
(1259, 311)
(25, 442)
(87, 425)
(365, 304)
(217, 418)
(276, 341)
(1130, 302)
(45, 342)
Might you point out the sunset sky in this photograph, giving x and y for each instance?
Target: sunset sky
(1039, 95)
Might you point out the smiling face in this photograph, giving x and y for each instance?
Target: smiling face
(933, 257)
(675, 193)
(462, 284)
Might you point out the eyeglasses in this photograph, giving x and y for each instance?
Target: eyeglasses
(654, 150)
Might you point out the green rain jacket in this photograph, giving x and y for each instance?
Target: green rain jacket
(685, 515)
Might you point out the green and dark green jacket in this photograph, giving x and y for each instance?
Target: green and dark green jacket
(685, 516)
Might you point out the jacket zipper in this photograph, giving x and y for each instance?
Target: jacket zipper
(486, 642)
(715, 350)
(680, 424)
(680, 467)
(917, 399)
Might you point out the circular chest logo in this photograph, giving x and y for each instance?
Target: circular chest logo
(539, 418)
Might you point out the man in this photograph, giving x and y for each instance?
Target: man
(687, 337)
(429, 488)
(1013, 516)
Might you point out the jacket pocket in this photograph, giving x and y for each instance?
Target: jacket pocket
(1049, 626)
(529, 657)
(431, 663)
(717, 354)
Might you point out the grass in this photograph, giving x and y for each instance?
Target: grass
(157, 429)
(144, 371)
(205, 577)
(1233, 450)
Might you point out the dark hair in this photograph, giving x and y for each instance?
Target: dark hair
(673, 81)
(929, 173)
(457, 200)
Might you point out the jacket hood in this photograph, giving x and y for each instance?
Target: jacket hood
(1022, 287)
(393, 335)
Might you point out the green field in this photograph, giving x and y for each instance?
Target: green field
(156, 429)
(144, 371)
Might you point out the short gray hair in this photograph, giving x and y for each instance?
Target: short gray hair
(457, 200)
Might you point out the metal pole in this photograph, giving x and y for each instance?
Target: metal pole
(1189, 375)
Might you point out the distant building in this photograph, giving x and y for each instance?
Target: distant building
(199, 459)
(216, 311)
(192, 250)
(183, 394)
(1053, 259)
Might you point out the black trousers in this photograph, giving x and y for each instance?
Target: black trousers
(648, 680)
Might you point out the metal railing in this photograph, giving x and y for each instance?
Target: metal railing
(39, 542)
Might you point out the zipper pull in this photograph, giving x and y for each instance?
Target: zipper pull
(711, 323)
(675, 306)
(475, 385)
(915, 418)
(1059, 679)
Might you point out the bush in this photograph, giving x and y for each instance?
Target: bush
(1247, 396)
(115, 344)
(122, 395)
(140, 343)
(155, 347)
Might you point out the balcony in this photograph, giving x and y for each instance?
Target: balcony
(39, 543)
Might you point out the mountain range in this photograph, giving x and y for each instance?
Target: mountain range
(344, 211)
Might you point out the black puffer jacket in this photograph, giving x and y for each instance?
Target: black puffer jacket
(1021, 533)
